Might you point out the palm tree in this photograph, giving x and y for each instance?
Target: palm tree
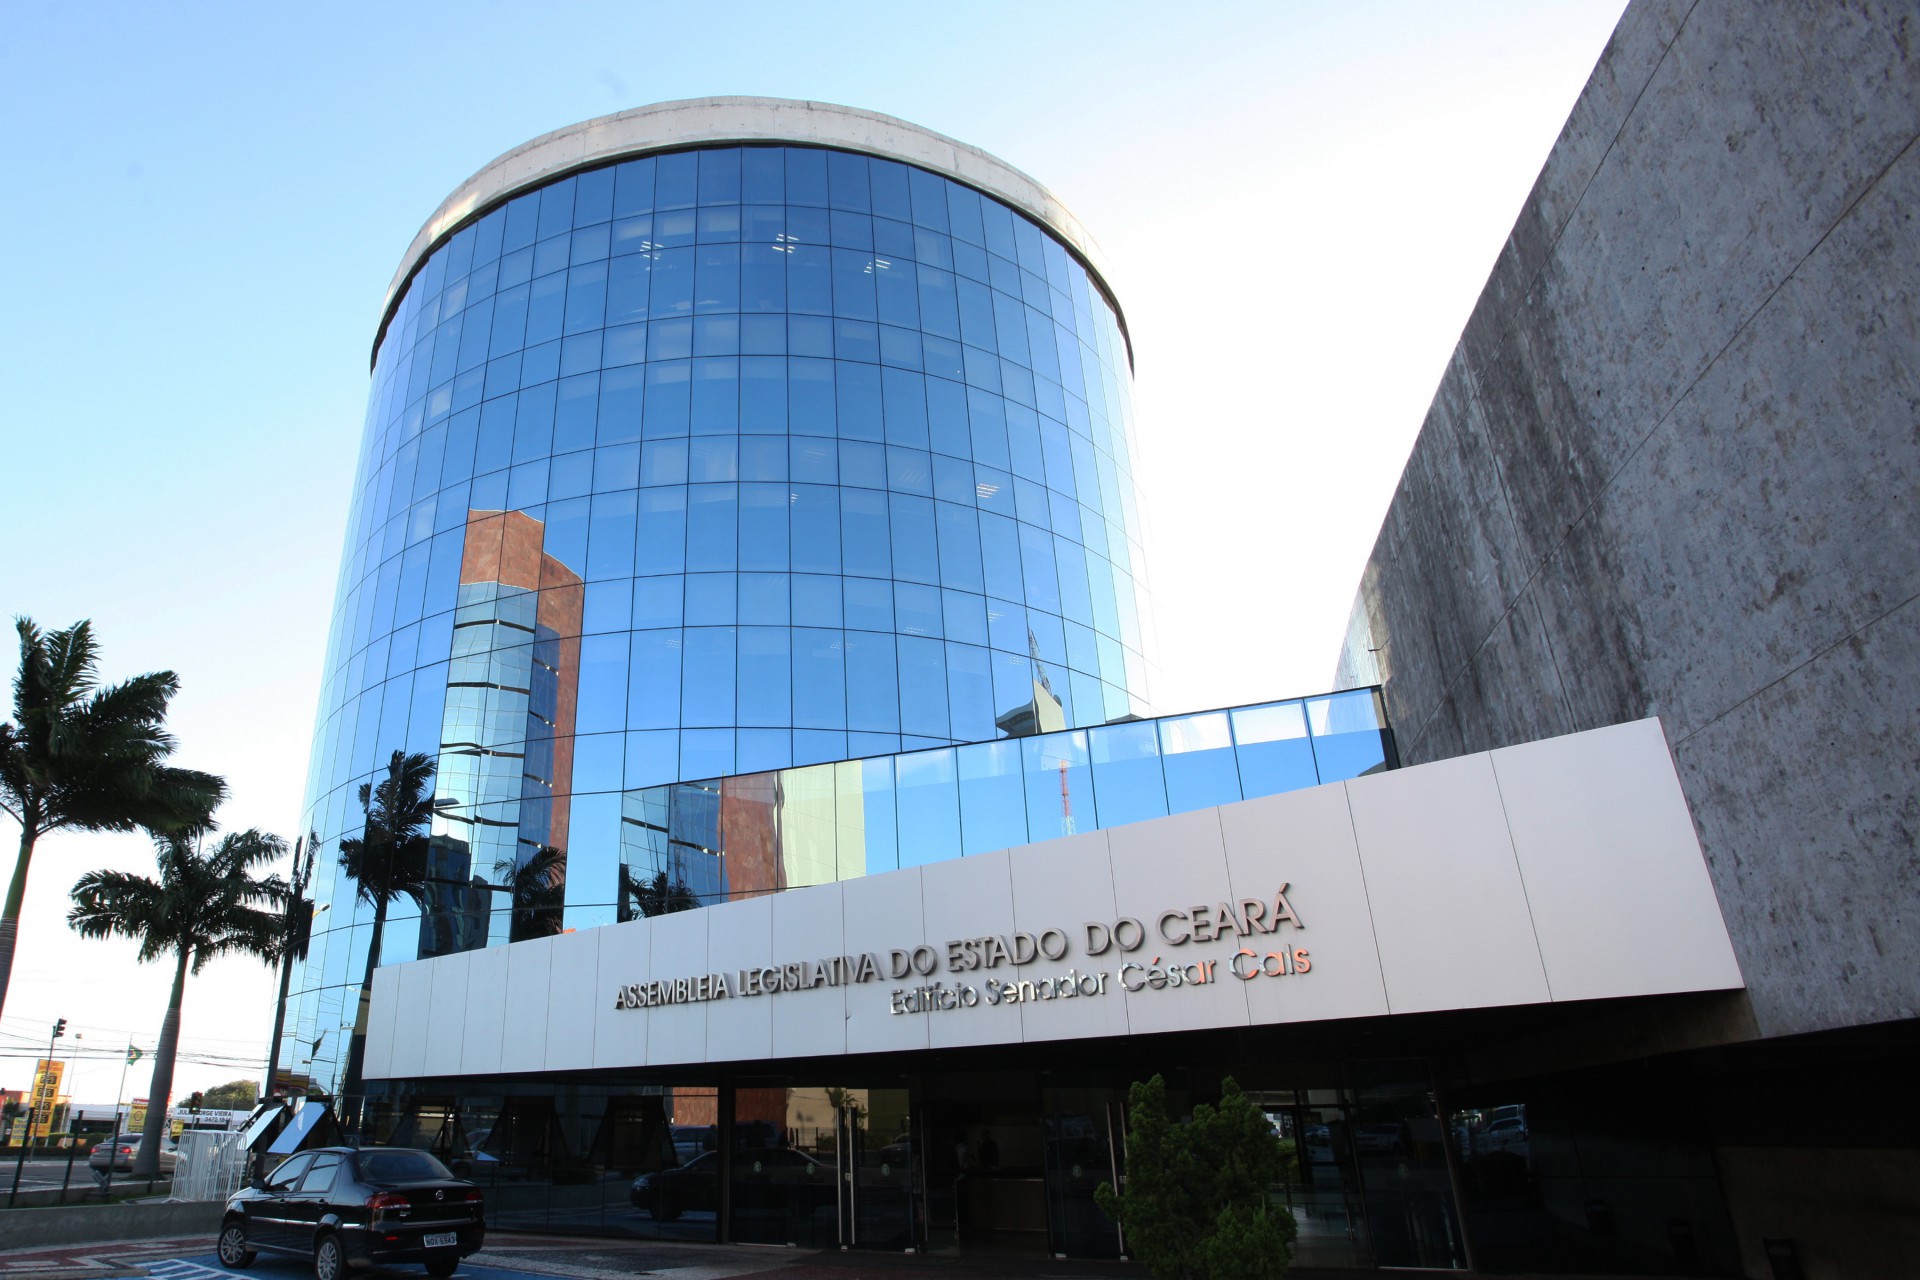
(206, 903)
(387, 859)
(643, 897)
(298, 924)
(79, 757)
(538, 890)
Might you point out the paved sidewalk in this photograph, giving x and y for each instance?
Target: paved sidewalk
(584, 1258)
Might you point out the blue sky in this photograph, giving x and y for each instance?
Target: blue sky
(204, 204)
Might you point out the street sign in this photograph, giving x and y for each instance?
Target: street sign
(45, 1096)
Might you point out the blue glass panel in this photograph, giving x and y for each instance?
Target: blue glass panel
(869, 604)
(806, 176)
(711, 599)
(810, 279)
(915, 554)
(1199, 761)
(676, 185)
(1059, 784)
(927, 794)
(917, 609)
(970, 693)
(816, 600)
(715, 408)
(763, 459)
(706, 753)
(608, 607)
(720, 176)
(603, 683)
(707, 682)
(862, 465)
(847, 181)
(814, 519)
(652, 757)
(765, 676)
(629, 283)
(819, 679)
(663, 462)
(763, 394)
(1273, 749)
(873, 702)
(661, 543)
(668, 404)
(762, 750)
(1346, 735)
(1000, 557)
(993, 811)
(657, 602)
(611, 535)
(1128, 784)
(857, 388)
(763, 175)
(765, 599)
(810, 408)
(713, 527)
(763, 526)
(865, 538)
(575, 412)
(923, 687)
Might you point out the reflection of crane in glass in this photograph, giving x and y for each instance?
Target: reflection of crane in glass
(1066, 802)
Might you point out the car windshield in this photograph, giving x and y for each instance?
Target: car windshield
(400, 1166)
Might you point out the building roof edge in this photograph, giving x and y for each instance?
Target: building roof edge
(694, 122)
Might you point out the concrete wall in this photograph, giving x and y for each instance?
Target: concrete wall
(102, 1223)
(1672, 470)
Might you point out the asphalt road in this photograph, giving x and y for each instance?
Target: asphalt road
(45, 1174)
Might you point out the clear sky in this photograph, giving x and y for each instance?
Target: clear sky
(203, 205)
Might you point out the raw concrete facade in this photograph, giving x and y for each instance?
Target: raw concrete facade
(1672, 470)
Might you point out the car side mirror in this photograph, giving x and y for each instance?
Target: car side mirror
(257, 1182)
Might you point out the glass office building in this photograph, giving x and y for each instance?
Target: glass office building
(711, 461)
(745, 503)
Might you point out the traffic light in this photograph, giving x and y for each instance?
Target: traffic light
(59, 1028)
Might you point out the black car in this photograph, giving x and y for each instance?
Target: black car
(667, 1193)
(346, 1207)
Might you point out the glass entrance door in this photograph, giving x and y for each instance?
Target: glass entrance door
(823, 1165)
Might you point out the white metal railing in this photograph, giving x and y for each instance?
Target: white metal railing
(211, 1166)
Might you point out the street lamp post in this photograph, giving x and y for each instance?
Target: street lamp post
(113, 1145)
(20, 1166)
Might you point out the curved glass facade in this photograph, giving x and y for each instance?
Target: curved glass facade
(702, 464)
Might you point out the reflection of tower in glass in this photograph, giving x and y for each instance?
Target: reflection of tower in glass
(1043, 714)
(506, 739)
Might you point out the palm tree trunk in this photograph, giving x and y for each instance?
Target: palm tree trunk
(350, 1082)
(10, 916)
(146, 1162)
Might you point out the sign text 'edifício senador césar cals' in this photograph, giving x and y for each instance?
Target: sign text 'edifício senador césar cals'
(1253, 921)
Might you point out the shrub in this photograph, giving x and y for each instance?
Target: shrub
(1196, 1203)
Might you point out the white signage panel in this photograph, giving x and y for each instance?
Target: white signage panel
(1565, 869)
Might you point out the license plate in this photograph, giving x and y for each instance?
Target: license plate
(441, 1240)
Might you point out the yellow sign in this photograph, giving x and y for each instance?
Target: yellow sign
(137, 1117)
(45, 1096)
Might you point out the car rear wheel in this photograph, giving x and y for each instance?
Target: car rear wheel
(441, 1268)
(328, 1262)
(233, 1247)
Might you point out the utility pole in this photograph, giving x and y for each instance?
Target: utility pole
(20, 1166)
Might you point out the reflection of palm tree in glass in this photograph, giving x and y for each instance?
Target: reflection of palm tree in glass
(538, 887)
(643, 897)
(387, 859)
